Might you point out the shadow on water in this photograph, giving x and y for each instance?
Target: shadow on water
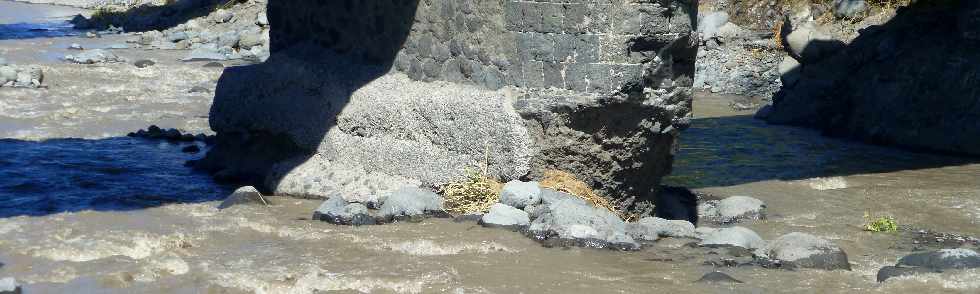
(733, 150)
(68, 175)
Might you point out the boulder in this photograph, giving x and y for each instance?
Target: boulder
(143, 63)
(338, 211)
(718, 277)
(94, 56)
(651, 228)
(789, 70)
(849, 8)
(505, 216)
(10, 286)
(573, 222)
(943, 259)
(810, 45)
(411, 203)
(732, 209)
(250, 38)
(734, 236)
(520, 194)
(75, 46)
(243, 196)
(807, 251)
(889, 272)
(222, 16)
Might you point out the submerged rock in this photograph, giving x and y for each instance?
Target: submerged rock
(505, 216)
(336, 210)
(718, 277)
(734, 236)
(807, 251)
(10, 286)
(520, 194)
(573, 222)
(889, 272)
(94, 56)
(733, 209)
(243, 196)
(943, 259)
(410, 203)
(143, 63)
(651, 228)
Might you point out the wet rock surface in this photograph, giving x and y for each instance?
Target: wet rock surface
(733, 236)
(733, 209)
(807, 251)
(20, 76)
(651, 228)
(718, 277)
(247, 195)
(504, 216)
(94, 56)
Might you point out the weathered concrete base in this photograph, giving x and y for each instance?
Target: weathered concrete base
(314, 128)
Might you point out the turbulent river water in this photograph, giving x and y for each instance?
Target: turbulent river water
(122, 215)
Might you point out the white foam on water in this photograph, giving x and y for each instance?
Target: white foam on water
(315, 280)
(135, 245)
(431, 248)
(828, 183)
(161, 266)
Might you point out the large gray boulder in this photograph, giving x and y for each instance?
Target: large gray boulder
(807, 251)
(338, 211)
(520, 194)
(411, 203)
(651, 228)
(809, 44)
(504, 216)
(733, 236)
(10, 286)
(572, 222)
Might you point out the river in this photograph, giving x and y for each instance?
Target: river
(122, 215)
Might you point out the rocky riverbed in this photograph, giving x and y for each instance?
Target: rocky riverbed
(781, 209)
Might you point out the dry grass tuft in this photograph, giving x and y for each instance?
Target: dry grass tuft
(566, 182)
(475, 194)
(777, 36)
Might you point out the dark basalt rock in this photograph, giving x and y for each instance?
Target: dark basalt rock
(718, 277)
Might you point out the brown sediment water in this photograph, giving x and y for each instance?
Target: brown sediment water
(169, 237)
(195, 248)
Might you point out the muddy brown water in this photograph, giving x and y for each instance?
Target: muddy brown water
(812, 184)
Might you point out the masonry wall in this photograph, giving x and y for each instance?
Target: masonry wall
(583, 46)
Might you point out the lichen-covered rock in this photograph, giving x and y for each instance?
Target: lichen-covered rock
(807, 251)
(651, 228)
(338, 211)
(734, 236)
(411, 203)
(505, 216)
(520, 194)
